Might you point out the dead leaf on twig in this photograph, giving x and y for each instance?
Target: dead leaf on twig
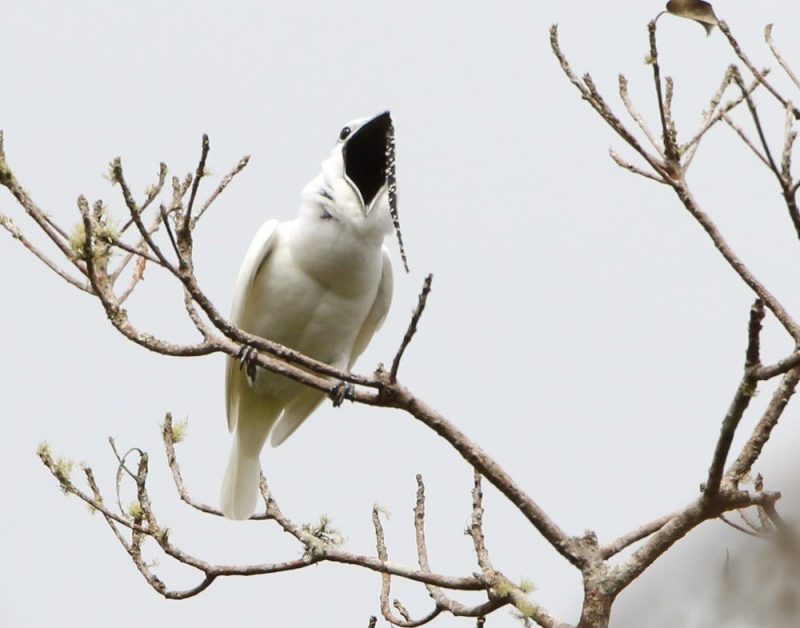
(697, 10)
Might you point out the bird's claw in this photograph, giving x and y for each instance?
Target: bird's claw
(246, 357)
(340, 392)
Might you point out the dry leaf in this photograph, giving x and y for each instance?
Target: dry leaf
(697, 10)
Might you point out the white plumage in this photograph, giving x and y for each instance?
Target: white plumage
(320, 284)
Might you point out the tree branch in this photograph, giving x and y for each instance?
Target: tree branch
(755, 444)
(412, 326)
(723, 26)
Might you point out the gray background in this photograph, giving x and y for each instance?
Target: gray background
(582, 328)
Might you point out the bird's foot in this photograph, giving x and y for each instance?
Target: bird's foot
(340, 392)
(246, 357)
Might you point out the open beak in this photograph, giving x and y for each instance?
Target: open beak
(364, 155)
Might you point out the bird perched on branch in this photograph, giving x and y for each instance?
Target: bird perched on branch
(320, 284)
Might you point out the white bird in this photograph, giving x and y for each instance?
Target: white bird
(321, 284)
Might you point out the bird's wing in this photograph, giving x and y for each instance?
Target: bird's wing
(257, 254)
(377, 314)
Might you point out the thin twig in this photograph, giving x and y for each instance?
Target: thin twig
(670, 148)
(168, 228)
(694, 514)
(740, 132)
(8, 224)
(686, 197)
(168, 436)
(617, 545)
(386, 582)
(152, 193)
(9, 180)
(744, 393)
(736, 526)
(737, 77)
(412, 326)
(723, 26)
(136, 215)
(592, 96)
(220, 188)
(789, 136)
(689, 149)
(185, 230)
(776, 53)
(635, 115)
(140, 249)
(383, 556)
(136, 277)
(784, 182)
(635, 169)
(780, 367)
(476, 526)
(755, 444)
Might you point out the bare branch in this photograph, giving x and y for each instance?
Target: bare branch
(399, 396)
(136, 215)
(733, 260)
(168, 436)
(736, 526)
(755, 444)
(476, 526)
(776, 53)
(753, 355)
(185, 230)
(740, 132)
(642, 532)
(152, 193)
(789, 136)
(635, 115)
(690, 517)
(136, 277)
(422, 550)
(671, 153)
(412, 326)
(757, 121)
(592, 96)
(744, 393)
(8, 224)
(634, 169)
(386, 579)
(168, 229)
(220, 188)
(144, 525)
(711, 118)
(780, 367)
(442, 601)
(132, 251)
(723, 26)
(57, 236)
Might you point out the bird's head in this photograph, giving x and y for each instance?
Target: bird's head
(357, 186)
(352, 186)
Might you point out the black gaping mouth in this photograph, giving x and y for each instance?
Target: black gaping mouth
(365, 157)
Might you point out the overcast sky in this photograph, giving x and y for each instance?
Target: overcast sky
(581, 328)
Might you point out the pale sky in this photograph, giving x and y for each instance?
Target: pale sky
(581, 328)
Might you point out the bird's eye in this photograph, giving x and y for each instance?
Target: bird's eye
(344, 133)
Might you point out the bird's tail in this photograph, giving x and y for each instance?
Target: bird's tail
(239, 493)
(294, 414)
(240, 484)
